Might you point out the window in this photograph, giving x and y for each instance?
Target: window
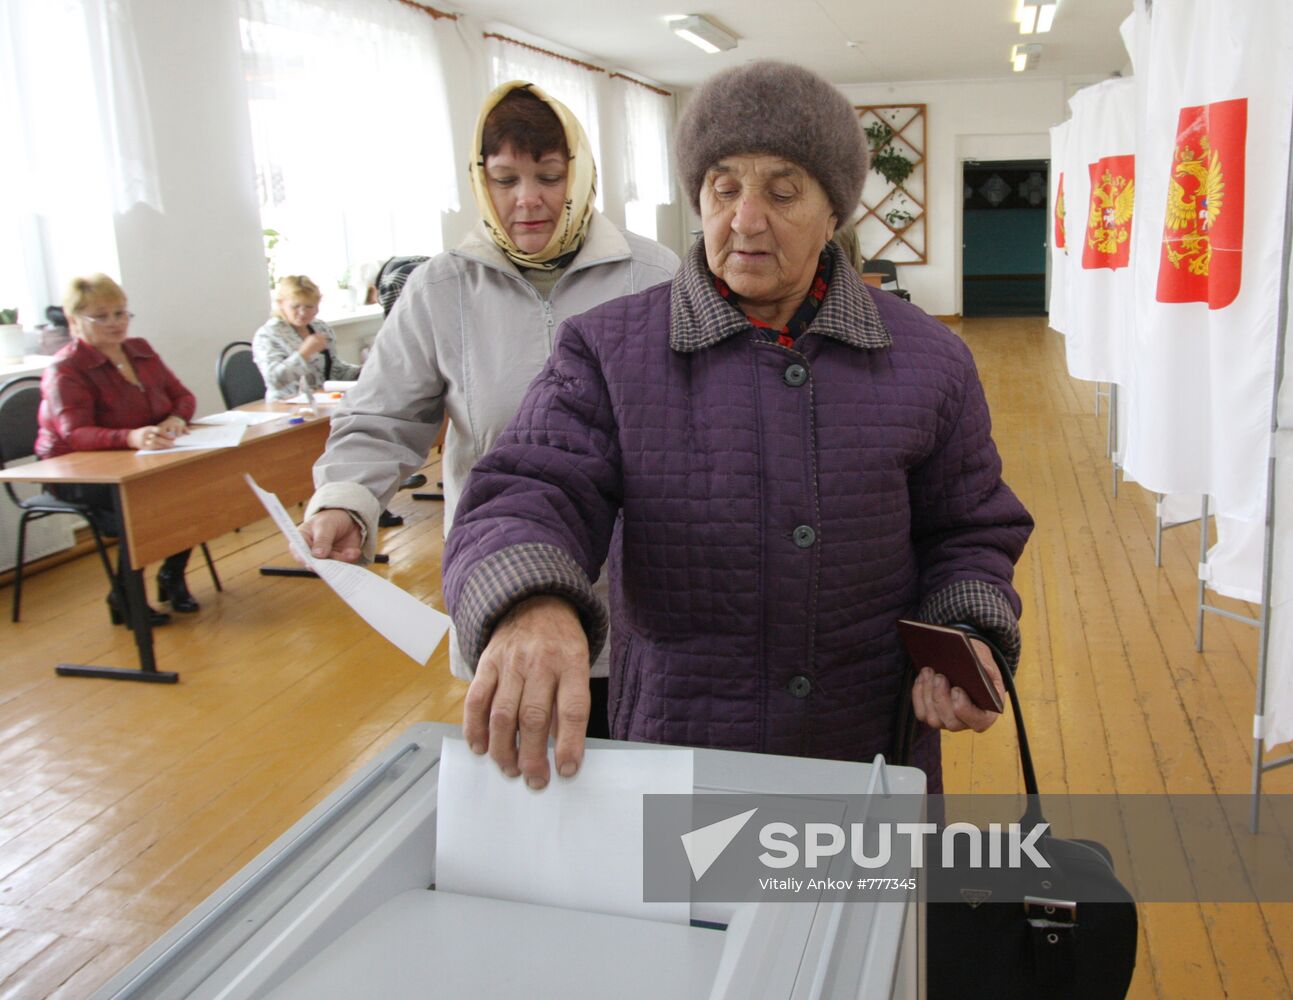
(350, 131)
(648, 179)
(648, 124)
(77, 145)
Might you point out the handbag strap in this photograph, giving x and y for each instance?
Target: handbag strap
(327, 366)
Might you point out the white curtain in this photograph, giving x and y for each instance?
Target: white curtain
(574, 86)
(1064, 220)
(1102, 145)
(77, 144)
(648, 128)
(1218, 94)
(350, 129)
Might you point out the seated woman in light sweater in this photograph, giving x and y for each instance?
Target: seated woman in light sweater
(295, 345)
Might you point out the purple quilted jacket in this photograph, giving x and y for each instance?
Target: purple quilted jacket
(782, 509)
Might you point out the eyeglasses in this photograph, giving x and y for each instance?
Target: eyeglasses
(120, 316)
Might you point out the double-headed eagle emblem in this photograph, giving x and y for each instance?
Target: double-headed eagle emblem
(1194, 197)
(1112, 201)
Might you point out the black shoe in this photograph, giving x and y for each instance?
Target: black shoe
(389, 520)
(119, 618)
(414, 482)
(172, 587)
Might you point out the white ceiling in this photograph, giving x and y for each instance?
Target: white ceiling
(897, 40)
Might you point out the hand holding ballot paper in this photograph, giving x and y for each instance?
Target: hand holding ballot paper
(396, 614)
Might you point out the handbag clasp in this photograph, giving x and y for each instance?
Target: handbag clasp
(1042, 911)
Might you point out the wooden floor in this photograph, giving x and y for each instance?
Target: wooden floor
(124, 805)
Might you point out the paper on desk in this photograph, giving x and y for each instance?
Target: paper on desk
(219, 436)
(396, 614)
(248, 417)
(575, 844)
(339, 385)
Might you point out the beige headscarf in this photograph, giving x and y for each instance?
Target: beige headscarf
(581, 184)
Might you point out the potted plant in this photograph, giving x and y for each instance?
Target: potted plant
(271, 239)
(888, 162)
(11, 341)
(347, 297)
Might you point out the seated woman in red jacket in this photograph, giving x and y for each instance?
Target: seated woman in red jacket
(105, 391)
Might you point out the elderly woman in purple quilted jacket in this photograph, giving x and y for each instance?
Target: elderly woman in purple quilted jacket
(799, 462)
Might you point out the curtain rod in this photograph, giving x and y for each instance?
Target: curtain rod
(535, 48)
(654, 90)
(437, 14)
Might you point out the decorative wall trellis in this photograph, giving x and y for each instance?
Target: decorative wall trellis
(881, 229)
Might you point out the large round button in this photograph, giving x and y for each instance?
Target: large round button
(804, 536)
(796, 375)
(800, 686)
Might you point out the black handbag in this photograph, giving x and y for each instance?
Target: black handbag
(1065, 933)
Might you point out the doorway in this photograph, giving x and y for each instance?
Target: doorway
(1003, 257)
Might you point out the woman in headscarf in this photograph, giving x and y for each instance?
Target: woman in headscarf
(799, 462)
(474, 325)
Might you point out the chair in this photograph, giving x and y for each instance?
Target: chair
(19, 403)
(19, 424)
(889, 270)
(239, 379)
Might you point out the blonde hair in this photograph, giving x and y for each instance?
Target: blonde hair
(81, 292)
(847, 237)
(294, 286)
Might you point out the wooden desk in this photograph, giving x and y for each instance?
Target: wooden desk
(873, 278)
(171, 502)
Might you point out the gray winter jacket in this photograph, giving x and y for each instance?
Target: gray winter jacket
(464, 340)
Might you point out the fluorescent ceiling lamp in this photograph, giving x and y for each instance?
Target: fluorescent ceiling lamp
(703, 33)
(1036, 16)
(1025, 56)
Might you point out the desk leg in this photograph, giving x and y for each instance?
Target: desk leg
(137, 602)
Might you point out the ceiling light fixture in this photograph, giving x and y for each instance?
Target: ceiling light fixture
(1026, 56)
(703, 33)
(1036, 16)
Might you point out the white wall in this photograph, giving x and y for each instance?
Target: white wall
(966, 119)
(195, 273)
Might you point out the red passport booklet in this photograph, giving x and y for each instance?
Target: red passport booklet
(948, 652)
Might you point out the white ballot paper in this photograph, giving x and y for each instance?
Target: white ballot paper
(199, 438)
(576, 844)
(397, 615)
(248, 417)
(339, 385)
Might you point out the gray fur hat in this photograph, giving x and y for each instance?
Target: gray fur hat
(779, 109)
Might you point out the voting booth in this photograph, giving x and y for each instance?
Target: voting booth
(346, 904)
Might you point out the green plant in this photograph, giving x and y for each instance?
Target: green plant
(8, 316)
(271, 237)
(899, 218)
(888, 162)
(343, 282)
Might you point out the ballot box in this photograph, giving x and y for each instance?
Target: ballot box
(345, 904)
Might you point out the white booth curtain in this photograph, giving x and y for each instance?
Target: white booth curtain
(350, 128)
(1100, 222)
(1209, 118)
(1219, 93)
(1063, 221)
